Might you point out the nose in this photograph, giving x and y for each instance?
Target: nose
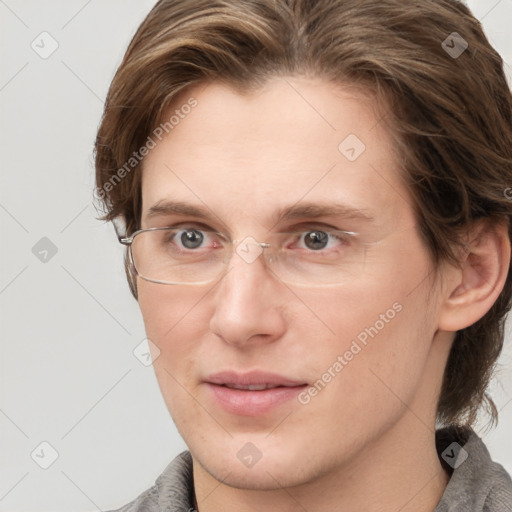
(249, 303)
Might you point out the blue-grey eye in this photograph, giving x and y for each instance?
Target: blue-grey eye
(316, 240)
(191, 238)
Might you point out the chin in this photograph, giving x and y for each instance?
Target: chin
(256, 462)
(263, 476)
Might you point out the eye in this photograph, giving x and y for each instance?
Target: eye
(193, 238)
(317, 239)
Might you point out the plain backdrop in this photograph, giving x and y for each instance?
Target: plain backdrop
(72, 388)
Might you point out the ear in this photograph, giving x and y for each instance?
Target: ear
(474, 286)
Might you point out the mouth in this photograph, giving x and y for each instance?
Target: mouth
(252, 394)
(251, 387)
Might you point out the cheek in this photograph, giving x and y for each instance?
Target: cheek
(174, 322)
(383, 328)
(169, 311)
(391, 330)
(360, 387)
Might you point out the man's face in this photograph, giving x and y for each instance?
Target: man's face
(354, 359)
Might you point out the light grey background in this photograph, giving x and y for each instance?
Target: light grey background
(69, 325)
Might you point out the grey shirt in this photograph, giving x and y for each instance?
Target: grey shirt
(477, 484)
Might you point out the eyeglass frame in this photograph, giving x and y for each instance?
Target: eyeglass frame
(128, 240)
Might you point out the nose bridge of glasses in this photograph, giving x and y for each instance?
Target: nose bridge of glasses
(249, 249)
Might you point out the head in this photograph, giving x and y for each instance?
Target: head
(246, 109)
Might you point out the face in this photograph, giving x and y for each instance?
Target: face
(334, 352)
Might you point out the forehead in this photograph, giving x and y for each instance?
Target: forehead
(245, 156)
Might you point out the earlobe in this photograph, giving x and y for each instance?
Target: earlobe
(477, 283)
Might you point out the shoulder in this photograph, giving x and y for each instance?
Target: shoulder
(477, 483)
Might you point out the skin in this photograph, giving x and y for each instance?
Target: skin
(366, 441)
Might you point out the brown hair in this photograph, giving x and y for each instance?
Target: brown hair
(451, 116)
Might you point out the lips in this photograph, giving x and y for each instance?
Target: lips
(253, 393)
(250, 387)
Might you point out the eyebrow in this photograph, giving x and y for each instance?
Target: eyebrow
(303, 210)
(316, 210)
(166, 207)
